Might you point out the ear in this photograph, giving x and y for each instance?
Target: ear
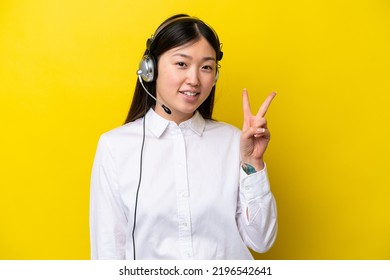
(216, 77)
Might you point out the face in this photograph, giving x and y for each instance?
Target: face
(186, 75)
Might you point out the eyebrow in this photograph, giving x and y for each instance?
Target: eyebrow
(206, 58)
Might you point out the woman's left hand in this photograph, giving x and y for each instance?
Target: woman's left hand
(255, 134)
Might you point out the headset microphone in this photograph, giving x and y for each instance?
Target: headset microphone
(166, 109)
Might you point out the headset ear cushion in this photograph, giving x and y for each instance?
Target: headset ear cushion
(148, 68)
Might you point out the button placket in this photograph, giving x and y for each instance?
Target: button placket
(182, 191)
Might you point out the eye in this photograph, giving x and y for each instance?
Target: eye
(208, 68)
(181, 64)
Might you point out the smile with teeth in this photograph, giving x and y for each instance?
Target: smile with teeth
(189, 93)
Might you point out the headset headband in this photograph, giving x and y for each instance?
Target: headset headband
(149, 42)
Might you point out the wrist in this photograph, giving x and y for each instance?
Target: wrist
(256, 164)
(251, 168)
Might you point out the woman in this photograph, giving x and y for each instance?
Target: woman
(172, 183)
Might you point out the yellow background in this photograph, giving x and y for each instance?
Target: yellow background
(67, 73)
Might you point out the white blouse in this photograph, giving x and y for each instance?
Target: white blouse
(193, 197)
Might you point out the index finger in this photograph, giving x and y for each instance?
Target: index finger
(264, 107)
(246, 108)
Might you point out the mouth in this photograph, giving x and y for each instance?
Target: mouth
(189, 93)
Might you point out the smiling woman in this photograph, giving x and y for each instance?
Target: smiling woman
(175, 33)
(152, 195)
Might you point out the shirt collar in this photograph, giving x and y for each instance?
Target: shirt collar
(157, 124)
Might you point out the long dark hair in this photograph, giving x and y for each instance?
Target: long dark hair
(174, 32)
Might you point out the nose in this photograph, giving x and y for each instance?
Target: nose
(192, 78)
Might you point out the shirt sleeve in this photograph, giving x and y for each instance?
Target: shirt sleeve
(256, 213)
(107, 218)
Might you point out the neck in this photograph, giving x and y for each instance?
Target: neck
(175, 116)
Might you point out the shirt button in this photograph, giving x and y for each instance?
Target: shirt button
(184, 224)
